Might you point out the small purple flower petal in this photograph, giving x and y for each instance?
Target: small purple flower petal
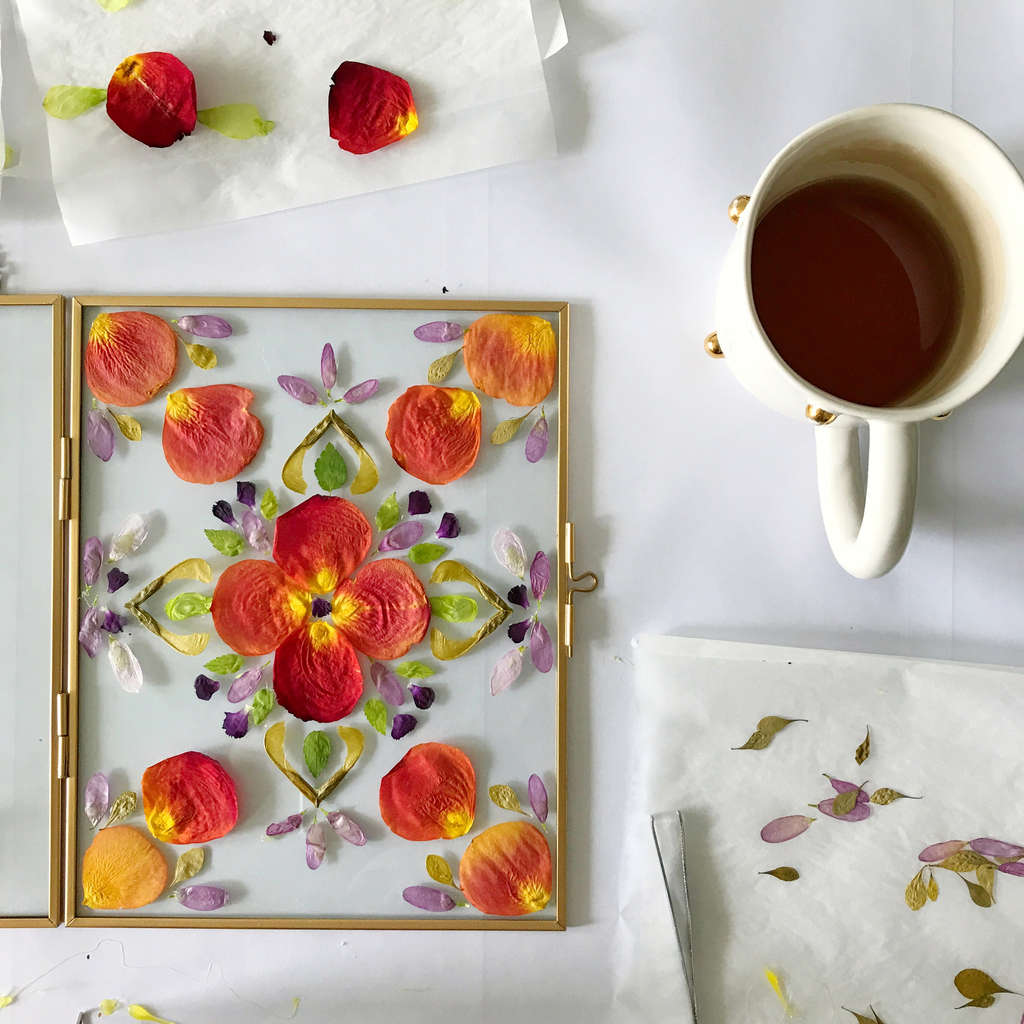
(204, 326)
(320, 607)
(542, 651)
(388, 685)
(328, 367)
(400, 537)
(361, 392)
(540, 574)
(223, 511)
(537, 440)
(90, 631)
(439, 331)
(116, 579)
(111, 622)
(245, 684)
(940, 851)
(92, 560)
(419, 503)
(518, 630)
(245, 493)
(202, 897)
(206, 687)
(426, 897)
(346, 828)
(1013, 868)
(97, 798)
(290, 824)
(860, 812)
(781, 830)
(316, 845)
(100, 435)
(236, 723)
(538, 797)
(506, 672)
(520, 595)
(422, 696)
(402, 725)
(299, 388)
(255, 530)
(449, 526)
(996, 848)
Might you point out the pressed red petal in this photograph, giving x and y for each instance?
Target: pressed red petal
(435, 432)
(368, 107)
(256, 607)
(209, 433)
(320, 542)
(152, 98)
(506, 870)
(189, 798)
(512, 356)
(429, 794)
(129, 357)
(317, 676)
(383, 610)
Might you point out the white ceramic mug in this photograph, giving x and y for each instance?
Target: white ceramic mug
(977, 197)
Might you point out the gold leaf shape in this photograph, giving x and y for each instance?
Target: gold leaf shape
(205, 358)
(122, 807)
(129, 426)
(766, 730)
(442, 646)
(986, 875)
(364, 481)
(965, 860)
(507, 429)
(978, 895)
(505, 797)
(190, 863)
(184, 643)
(273, 741)
(974, 984)
(933, 887)
(885, 796)
(437, 868)
(916, 894)
(441, 367)
(864, 750)
(758, 741)
(782, 874)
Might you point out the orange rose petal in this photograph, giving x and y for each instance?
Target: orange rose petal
(317, 676)
(122, 870)
(383, 610)
(256, 607)
(506, 870)
(368, 107)
(129, 357)
(209, 433)
(429, 794)
(320, 542)
(189, 798)
(152, 98)
(435, 432)
(512, 356)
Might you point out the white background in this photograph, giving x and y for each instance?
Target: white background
(698, 506)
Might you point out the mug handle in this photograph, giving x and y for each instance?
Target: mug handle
(867, 528)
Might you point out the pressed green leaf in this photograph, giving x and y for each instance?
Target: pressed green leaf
(421, 554)
(262, 705)
(316, 749)
(113, 5)
(414, 670)
(376, 712)
(268, 504)
(68, 101)
(235, 120)
(185, 606)
(437, 868)
(224, 664)
(388, 514)
(331, 471)
(454, 608)
(227, 542)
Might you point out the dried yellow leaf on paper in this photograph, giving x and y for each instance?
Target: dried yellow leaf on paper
(507, 429)
(965, 860)
(505, 797)
(129, 426)
(784, 874)
(190, 863)
(864, 750)
(122, 807)
(441, 367)
(974, 984)
(205, 358)
(766, 731)
(437, 868)
(917, 893)
(933, 888)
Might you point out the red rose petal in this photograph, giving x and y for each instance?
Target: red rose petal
(506, 870)
(512, 356)
(368, 107)
(129, 357)
(317, 676)
(189, 798)
(429, 794)
(256, 607)
(152, 98)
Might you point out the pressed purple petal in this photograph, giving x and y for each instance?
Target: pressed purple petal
(542, 650)
(236, 723)
(388, 685)
(90, 631)
(245, 684)
(426, 897)
(1013, 868)
(537, 440)
(290, 824)
(202, 897)
(97, 798)
(518, 630)
(320, 607)
(223, 511)
(204, 326)
(996, 848)
(328, 367)
(299, 388)
(439, 331)
(116, 579)
(346, 828)
(111, 622)
(781, 830)
(402, 725)
(940, 851)
(449, 526)
(92, 560)
(506, 672)
(206, 687)
(100, 435)
(848, 787)
(255, 530)
(419, 503)
(402, 536)
(540, 574)
(538, 797)
(422, 696)
(362, 391)
(860, 812)
(245, 493)
(316, 845)
(520, 595)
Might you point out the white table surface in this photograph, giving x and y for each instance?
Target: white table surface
(697, 505)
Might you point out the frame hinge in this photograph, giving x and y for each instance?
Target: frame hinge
(64, 480)
(590, 578)
(61, 712)
(62, 757)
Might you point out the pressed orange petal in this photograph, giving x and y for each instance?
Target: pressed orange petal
(317, 676)
(209, 433)
(256, 607)
(383, 610)
(435, 432)
(129, 357)
(122, 870)
(429, 794)
(506, 870)
(368, 107)
(320, 542)
(189, 798)
(512, 356)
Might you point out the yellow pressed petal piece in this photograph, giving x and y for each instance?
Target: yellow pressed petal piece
(129, 426)
(442, 646)
(205, 358)
(438, 870)
(137, 1012)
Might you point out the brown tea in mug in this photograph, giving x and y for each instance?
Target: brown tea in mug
(857, 289)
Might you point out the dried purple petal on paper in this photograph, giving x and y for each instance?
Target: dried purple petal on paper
(299, 388)
(202, 897)
(204, 326)
(996, 848)
(781, 830)
(1013, 868)
(206, 687)
(519, 595)
(111, 622)
(100, 435)
(245, 493)
(861, 810)
(362, 391)
(90, 631)
(422, 696)
(449, 526)
(316, 845)
(388, 685)
(328, 367)
(439, 331)
(236, 723)
(223, 511)
(509, 551)
(537, 440)
(538, 797)
(940, 851)
(426, 897)
(116, 579)
(129, 538)
(840, 786)
(127, 669)
(507, 671)
(255, 530)
(517, 631)
(400, 537)
(97, 798)
(419, 503)
(540, 574)
(542, 650)
(320, 607)
(246, 684)
(92, 559)
(290, 824)
(346, 828)
(402, 725)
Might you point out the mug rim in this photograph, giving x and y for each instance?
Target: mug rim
(973, 381)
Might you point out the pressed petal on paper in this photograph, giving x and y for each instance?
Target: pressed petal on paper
(224, 664)
(129, 538)
(316, 845)
(400, 537)
(507, 671)
(90, 630)
(328, 366)
(97, 798)
(280, 828)
(974, 984)
(506, 870)
(388, 514)
(368, 107)
(361, 392)
(424, 554)
(299, 388)
(317, 676)
(863, 752)
(1011, 868)
(255, 530)
(262, 705)
(187, 606)
(321, 541)
(856, 811)
(439, 331)
(346, 828)
(940, 851)
(419, 503)
(123, 807)
(188, 865)
(227, 542)
(507, 429)
(320, 607)
(203, 897)
(414, 670)
(245, 493)
(426, 897)
(122, 870)
(256, 607)
(505, 798)
(538, 797)
(542, 650)
(387, 684)
(434, 432)
(509, 551)
(430, 794)
(127, 669)
(70, 101)
(189, 798)
(129, 426)
(205, 687)
(111, 622)
(236, 120)
(519, 595)
(376, 712)
(209, 434)
(537, 440)
(454, 607)
(781, 830)
(137, 1012)
(92, 559)
(268, 504)
(517, 630)
(512, 356)
(449, 527)
(100, 435)
(422, 696)
(540, 575)
(204, 326)
(440, 369)
(997, 848)
(223, 511)
(885, 795)
(402, 725)
(201, 355)
(129, 357)
(245, 685)
(152, 98)
(765, 732)
(437, 868)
